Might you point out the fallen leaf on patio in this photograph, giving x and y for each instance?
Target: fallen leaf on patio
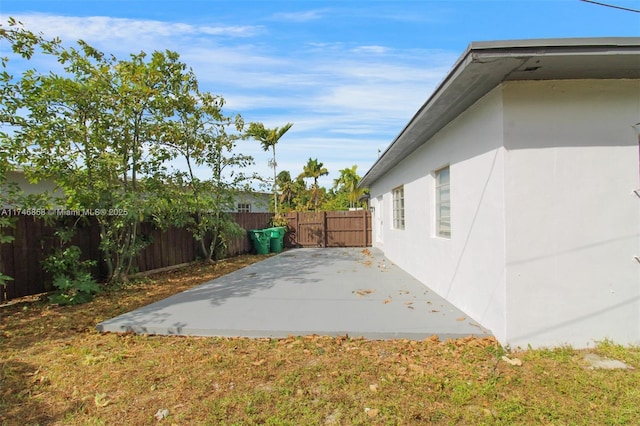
(385, 301)
(362, 292)
(162, 413)
(408, 303)
(515, 361)
(410, 307)
(460, 319)
(435, 310)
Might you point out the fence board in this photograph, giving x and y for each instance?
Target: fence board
(34, 240)
(7, 265)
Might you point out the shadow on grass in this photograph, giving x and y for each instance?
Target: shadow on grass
(32, 320)
(22, 388)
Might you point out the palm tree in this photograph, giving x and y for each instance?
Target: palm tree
(313, 169)
(348, 181)
(268, 138)
(301, 195)
(287, 191)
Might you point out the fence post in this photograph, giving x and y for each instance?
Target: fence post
(364, 228)
(297, 228)
(324, 229)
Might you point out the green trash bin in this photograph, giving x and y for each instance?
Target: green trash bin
(276, 238)
(260, 240)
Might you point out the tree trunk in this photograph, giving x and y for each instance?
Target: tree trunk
(105, 251)
(275, 188)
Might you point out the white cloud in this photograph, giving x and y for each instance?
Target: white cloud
(304, 16)
(101, 28)
(346, 101)
(371, 49)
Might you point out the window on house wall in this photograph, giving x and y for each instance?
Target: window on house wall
(244, 208)
(443, 203)
(398, 207)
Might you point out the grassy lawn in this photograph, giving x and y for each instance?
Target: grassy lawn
(56, 369)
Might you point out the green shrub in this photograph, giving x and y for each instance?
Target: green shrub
(71, 276)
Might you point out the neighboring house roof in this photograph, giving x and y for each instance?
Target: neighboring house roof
(254, 195)
(484, 65)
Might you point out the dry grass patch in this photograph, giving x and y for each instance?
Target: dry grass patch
(56, 369)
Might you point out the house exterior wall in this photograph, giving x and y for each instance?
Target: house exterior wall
(572, 219)
(545, 223)
(29, 188)
(467, 269)
(259, 201)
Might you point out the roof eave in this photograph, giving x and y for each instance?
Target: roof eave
(485, 65)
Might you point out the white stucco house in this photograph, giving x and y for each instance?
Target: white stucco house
(29, 188)
(514, 191)
(243, 202)
(252, 202)
(44, 187)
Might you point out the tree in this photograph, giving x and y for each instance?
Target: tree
(269, 138)
(218, 158)
(96, 131)
(198, 134)
(287, 192)
(23, 44)
(313, 169)
(65, 133)
(348, 182)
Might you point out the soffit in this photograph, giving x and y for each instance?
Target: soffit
(485, 65)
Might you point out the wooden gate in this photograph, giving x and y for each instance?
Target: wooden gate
(329, 229)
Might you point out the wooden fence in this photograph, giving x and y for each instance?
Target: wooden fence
(329, 229)
(34, 240)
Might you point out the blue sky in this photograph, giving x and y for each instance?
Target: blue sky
(348, 74)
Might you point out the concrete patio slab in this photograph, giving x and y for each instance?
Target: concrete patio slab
(324, 291)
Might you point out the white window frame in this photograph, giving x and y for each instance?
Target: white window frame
(443, 202)
(243, 207)
(398, 207)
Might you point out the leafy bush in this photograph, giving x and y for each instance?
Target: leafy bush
(279, 220)
(71, 276)
(5, 222)
(74, 291)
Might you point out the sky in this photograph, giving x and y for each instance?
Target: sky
(349, 75)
